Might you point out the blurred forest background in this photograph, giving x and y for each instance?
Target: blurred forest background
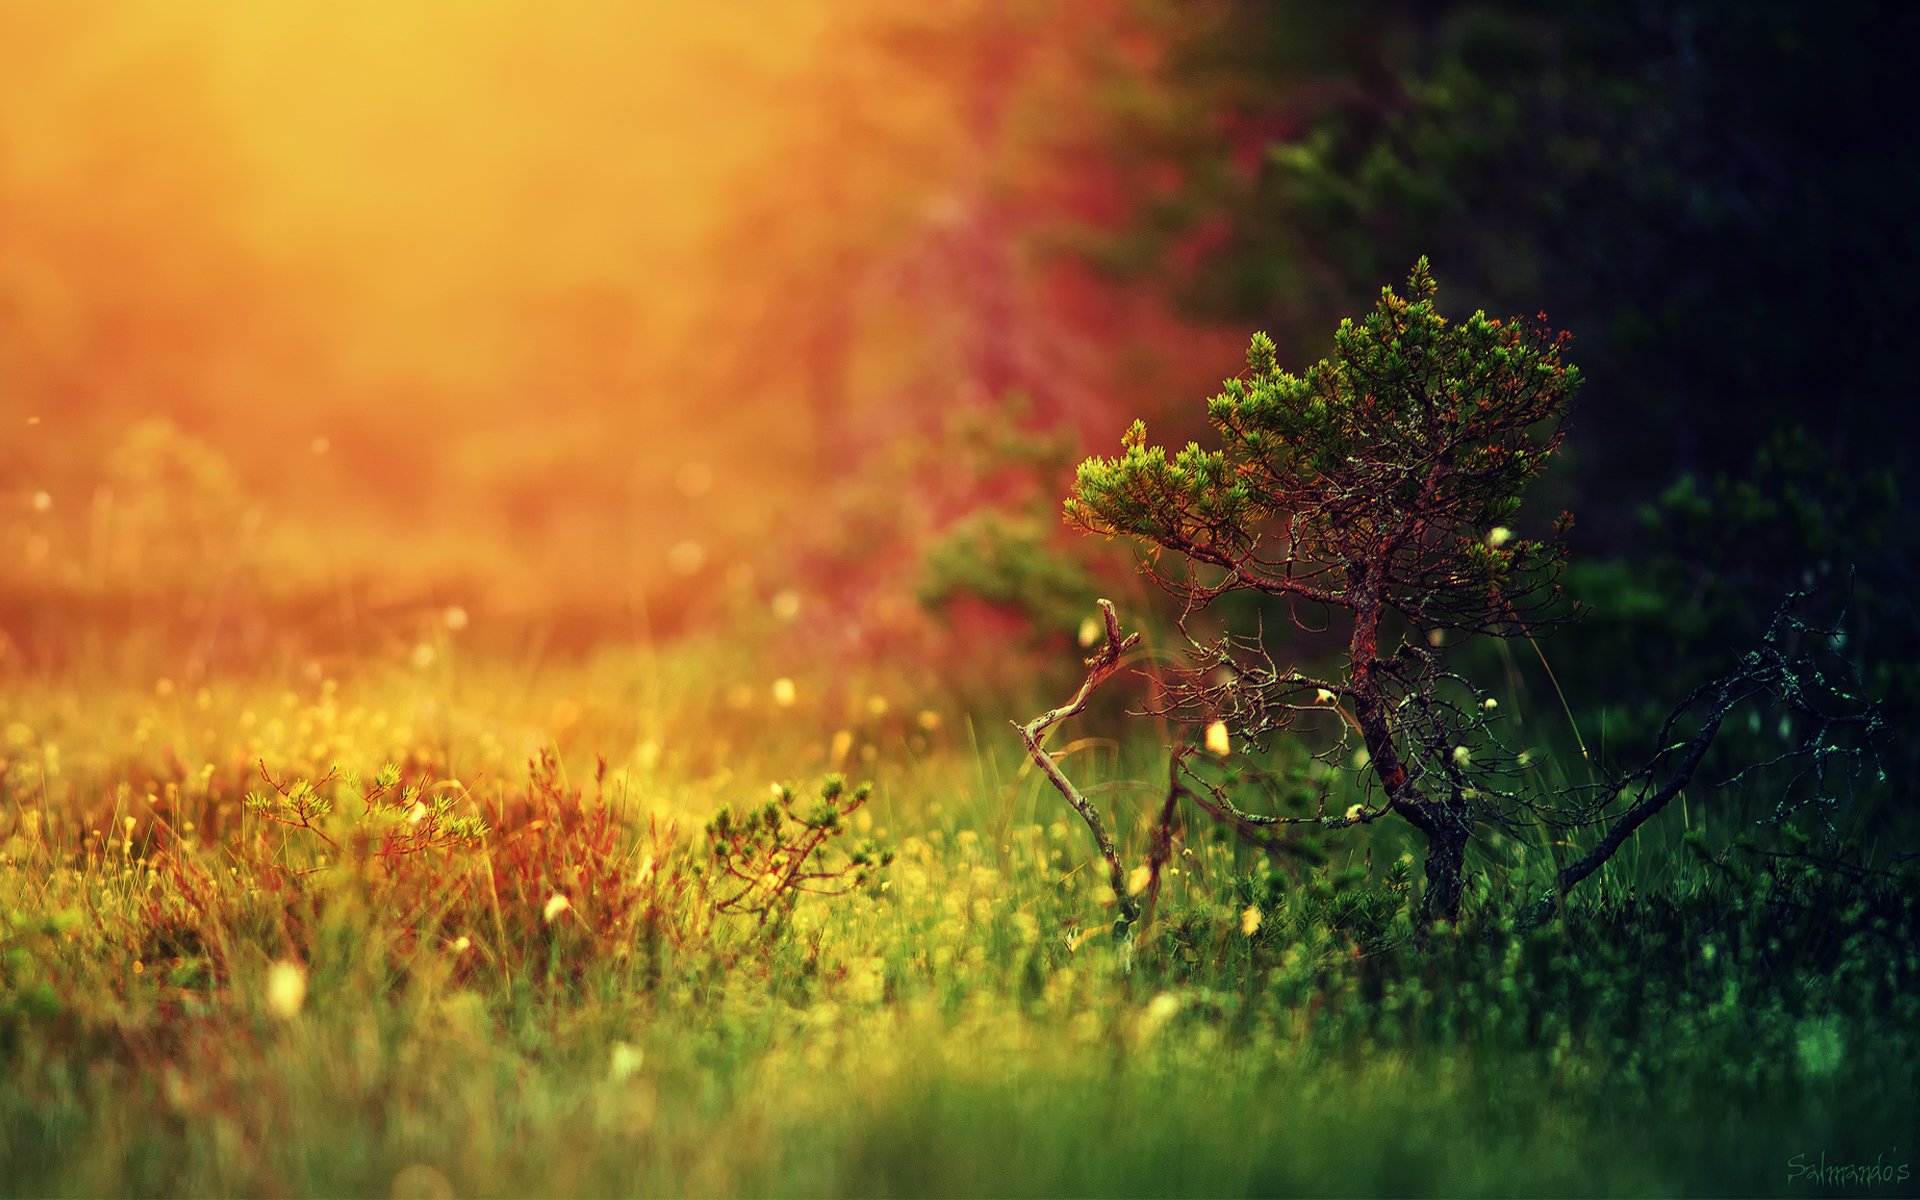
(627, 321)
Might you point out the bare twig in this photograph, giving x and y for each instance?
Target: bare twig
(1768, 671)
(1100, 667)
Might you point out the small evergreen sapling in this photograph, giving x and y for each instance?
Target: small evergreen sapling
(1370, 498)
(1373, 489)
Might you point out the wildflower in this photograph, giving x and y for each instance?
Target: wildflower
(1250, 919)
(784, 693)
(286, 989)
(625, 1061)
(556, 904)
(1138, 880)
(1217, 740)
(1462, 756)
(1499, 536)
(1089, 632)
(1160, 1010)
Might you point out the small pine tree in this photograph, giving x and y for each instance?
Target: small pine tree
(1374, 489)
(1370, 497)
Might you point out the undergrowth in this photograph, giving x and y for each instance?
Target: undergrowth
(392, 977)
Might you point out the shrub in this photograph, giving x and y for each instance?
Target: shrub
(1374, 498)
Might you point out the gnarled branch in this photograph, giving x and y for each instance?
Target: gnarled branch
(1100, 667)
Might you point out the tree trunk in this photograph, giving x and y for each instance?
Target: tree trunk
(1447, 830)
(1447, 826)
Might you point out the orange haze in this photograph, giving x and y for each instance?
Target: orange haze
(427, 296)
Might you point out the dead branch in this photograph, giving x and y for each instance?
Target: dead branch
(1100, 667)
(1769, 671)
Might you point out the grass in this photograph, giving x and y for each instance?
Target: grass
(961, 1025)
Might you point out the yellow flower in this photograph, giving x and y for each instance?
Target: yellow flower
(556, 904)
(626, 1061)
(286, 989)
(1250, 920)
(1159, 1011)
(1217, 740)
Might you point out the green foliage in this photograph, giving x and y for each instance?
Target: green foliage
(401, 819)
(1374, 486)
(1389, 466)
(960, 1024)
(1009, 560)
(1672, 176)
(776, 853)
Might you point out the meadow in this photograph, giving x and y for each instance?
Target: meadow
(530, 536)
(314, 993)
